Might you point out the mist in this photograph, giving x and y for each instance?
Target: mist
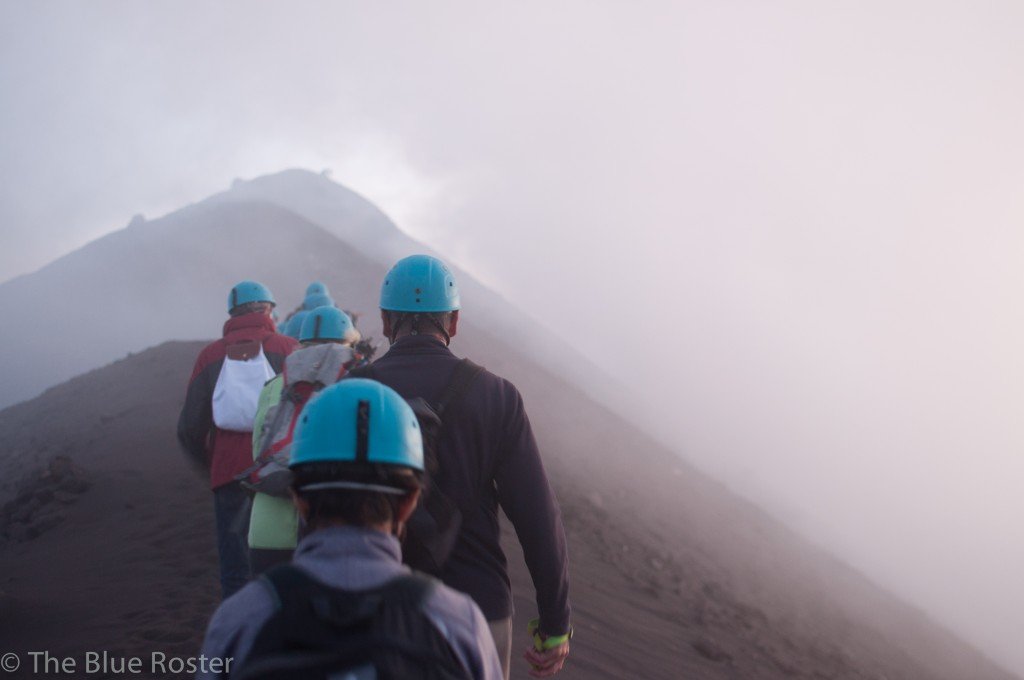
(792, 230)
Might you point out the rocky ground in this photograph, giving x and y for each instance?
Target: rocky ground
(106, 545)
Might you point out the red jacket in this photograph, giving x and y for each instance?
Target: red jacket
(226, 453)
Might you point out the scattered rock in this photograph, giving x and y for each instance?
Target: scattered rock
(65, 497)
(22, 514)
(74, 485)
(710, 650)
(33, 510)
(19, 533)
(45, 523)
(61, 467)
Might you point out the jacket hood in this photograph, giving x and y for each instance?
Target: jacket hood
(255, 320)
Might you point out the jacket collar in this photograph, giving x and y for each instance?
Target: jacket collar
(344, 542)
(418, 344)
(246, 321)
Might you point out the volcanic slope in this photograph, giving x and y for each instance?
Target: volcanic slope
(672, 576)
(169, 278)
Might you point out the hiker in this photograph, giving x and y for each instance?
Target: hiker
(293, 327)
(346, 606)
(215, 426)
(326, 355)
(316, 295)
(486, 456)
(315, 288)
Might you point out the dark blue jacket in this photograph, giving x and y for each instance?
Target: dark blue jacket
(488, 456)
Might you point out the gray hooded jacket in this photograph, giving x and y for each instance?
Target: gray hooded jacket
(351, 558)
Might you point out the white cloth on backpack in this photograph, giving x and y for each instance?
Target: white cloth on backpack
(237, 393)
(320, 365)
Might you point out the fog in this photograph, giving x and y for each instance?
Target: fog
(792, 228)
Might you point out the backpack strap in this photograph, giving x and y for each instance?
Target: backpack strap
(284, 580)
(364, 371)
(462, 377)
(298, 394)
(288, 582)
(451, 396)
(316, 625)
(266, 444)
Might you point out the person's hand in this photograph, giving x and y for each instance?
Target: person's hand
(548, 662)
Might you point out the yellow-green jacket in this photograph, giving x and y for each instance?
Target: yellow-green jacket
(274, 524)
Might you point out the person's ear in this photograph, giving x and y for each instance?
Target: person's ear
(453, 325)
(407, 505)
(385, 320)
(302, 505)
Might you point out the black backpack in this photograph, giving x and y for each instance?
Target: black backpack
(319, 632)
(434, 526)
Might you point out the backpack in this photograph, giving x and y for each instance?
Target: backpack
(305, 373)
(433, 528)
(236, 395)
(320, 632)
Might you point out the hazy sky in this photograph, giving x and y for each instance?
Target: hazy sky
(796, 226)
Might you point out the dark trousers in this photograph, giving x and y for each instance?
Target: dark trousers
(232, 506)
(262, 559)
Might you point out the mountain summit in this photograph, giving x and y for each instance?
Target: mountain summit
(167, 279)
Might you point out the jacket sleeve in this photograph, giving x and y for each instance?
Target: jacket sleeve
(234, 627)
(196, 419)
(463, 625)
(528, 501)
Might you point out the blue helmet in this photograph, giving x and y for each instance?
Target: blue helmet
(316, 288)
(358, 420)
(317, 300)
(293, 327)
(419, 283)
(249, 291)
(328, 323)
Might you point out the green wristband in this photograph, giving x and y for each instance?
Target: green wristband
(542, 644)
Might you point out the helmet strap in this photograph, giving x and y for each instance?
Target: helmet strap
(440, 327)
(414, 320)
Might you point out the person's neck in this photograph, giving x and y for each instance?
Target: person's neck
(421, 334)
